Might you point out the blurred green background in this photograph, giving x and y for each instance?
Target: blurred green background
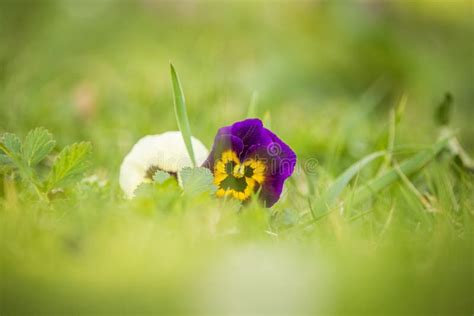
(98, 70)
(324, 74)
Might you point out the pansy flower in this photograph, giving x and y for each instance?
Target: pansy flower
(165, 152)
(247, 158)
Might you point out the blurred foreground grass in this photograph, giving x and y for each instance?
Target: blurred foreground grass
(326, 75)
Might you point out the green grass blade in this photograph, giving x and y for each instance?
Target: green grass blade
(252, 110)
(181, 113)
(343, 180)
(331, 195)
(408, 167)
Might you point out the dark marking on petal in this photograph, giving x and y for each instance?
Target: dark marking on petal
(229, 167)
(248, 171)
(153, 169)
(231, 182)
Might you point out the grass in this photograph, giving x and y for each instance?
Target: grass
(330, 76)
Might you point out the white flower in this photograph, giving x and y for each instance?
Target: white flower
(165, 152)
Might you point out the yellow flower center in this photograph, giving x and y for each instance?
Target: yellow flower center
(237, 179)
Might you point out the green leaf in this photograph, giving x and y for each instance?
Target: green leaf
(4, 160)
(161, 176)
(330, 196)
(70, 164)
(37, 145)
(10, 144)
(145, 190)
(181, 114)
(407, 167)
(197, 180)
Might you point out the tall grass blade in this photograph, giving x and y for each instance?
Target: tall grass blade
(343, 180)
(407, 167)
(181, 113)
(252, 110)
(330, 196)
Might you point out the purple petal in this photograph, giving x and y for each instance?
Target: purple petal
(221, 144)
(251, 132)
(226, 130)
(261, 153)
(280, 161)
(284, 152)
(271, 190)
(278, 157)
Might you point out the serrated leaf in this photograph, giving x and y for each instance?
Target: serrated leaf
(37, 145)
(197, 180)
(181, 113)
(10, 144)
(70, 164)
(144, 190)
(161, 176)
(4, 160)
